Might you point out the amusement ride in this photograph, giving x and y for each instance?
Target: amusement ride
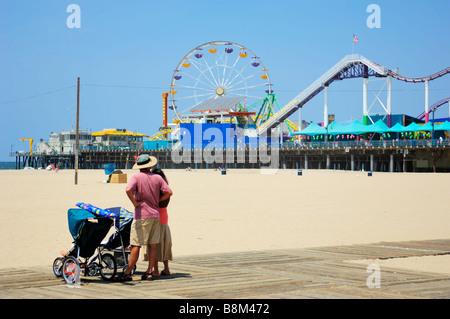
(225, 82)
(220, 82)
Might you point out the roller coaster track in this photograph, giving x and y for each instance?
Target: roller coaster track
(351, 66)
(423, 79)
(434, 107)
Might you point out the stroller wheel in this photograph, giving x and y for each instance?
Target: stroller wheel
(71, 270)
(57, 266)
(108, 267)
(93, 269)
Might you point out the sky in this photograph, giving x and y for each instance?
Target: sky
(125, 53)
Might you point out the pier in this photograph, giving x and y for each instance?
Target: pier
(383, 156)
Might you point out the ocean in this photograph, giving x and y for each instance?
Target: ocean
(7, 165)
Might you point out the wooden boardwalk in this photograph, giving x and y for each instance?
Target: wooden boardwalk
(322, 272)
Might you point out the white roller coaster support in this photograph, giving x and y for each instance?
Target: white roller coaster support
(427, 87)
(389, 99)
(365, 110)
(325, 107)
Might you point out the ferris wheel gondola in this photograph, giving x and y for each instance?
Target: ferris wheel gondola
(217, 70)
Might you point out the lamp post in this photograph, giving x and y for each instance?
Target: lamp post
(77, 132)
(432, 134)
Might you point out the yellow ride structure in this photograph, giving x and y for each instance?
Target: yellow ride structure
(161, 133)
(31, 143)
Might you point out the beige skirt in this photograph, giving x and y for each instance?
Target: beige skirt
(164, 248)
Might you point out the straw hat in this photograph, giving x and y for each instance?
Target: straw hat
(145, 161)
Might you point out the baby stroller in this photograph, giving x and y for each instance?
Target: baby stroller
(88, 230)
(120, 240)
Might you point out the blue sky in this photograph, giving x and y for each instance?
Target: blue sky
(131, 48)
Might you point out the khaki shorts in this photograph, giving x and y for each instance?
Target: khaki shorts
(145, 232)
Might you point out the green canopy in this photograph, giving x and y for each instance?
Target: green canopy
(397, 128)
(445, 126)
(357, 128)
(414, 127)
(377, 127)
(335, 128)
(312, 129)
(354, 128)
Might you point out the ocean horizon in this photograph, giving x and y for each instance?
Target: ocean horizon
(7, 165)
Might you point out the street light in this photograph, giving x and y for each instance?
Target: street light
(432, 134)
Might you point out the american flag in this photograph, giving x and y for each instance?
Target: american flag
(355, 38)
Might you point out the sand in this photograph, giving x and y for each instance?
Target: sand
(241, 211)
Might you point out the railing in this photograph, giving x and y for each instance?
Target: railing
(347, 144)
(367, 144)
(110, 148)
(124, 148)
(285, 145)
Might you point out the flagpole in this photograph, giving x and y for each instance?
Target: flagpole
(355, 40)
(353, 44)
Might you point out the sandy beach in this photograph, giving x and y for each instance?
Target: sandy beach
(243, 210)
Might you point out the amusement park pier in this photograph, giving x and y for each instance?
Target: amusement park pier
(403, 156)
(216, 96)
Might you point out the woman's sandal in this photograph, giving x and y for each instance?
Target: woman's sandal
(123, 277)
(148, 276)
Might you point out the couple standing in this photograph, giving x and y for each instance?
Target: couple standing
(148, 192)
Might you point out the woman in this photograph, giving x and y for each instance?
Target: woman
(164, 248)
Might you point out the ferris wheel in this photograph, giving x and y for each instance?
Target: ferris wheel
(215, 75)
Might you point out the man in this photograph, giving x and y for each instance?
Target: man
(144, 191)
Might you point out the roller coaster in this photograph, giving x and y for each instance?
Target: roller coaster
(351, 66)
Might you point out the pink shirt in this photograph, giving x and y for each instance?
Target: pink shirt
(146, 186)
